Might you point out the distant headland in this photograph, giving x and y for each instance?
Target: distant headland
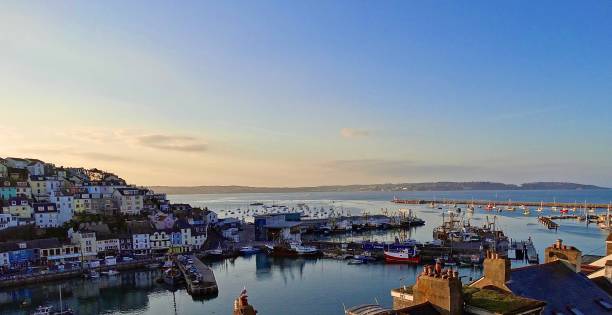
(433, 186)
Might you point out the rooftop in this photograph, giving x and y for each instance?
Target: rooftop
(498, 301)
(419, 309)
(559, 286)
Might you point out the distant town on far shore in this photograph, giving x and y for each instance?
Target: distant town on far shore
(433, 186)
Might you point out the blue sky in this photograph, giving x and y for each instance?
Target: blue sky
(314, 92)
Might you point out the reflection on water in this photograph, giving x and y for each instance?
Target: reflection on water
(126, 292)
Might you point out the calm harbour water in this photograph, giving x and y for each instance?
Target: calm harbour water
(298, 286)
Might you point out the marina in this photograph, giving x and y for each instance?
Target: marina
(347, 258)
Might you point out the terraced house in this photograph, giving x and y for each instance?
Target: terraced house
(18, 206)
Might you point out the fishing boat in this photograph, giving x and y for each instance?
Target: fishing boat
(405, 256)
(92, 274)
(172, 276)
(217, 252)
(564, 210)
(48, 310)
(153, 266)
(304, 250)
(365, 257)
(110, 273)
(526, 211)
(248, 250)
(356, 262)
(509, 207)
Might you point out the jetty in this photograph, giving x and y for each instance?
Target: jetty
(501, 203)
(199, 278)
(548, 222)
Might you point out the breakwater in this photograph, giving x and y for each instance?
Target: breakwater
(201, 281)
(502, 203)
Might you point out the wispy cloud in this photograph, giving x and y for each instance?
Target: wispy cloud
(353, 133)
(142, 138)
(172, 143)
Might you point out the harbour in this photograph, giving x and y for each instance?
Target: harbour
(307, 281)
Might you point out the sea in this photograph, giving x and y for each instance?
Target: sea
(308, 286)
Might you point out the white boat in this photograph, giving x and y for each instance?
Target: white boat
(47, 310)
(111, 272)
(215, 252)
(43, 310)
(304, 250)
(526, 211)
(247, 250)
(92, 274)
(541, 208)
(356, 262)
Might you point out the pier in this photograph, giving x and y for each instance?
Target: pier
(200, 283)
(502, 203)
(548, 222)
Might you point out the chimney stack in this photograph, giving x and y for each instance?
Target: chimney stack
(440, 287)
(496, 272)
(569, 254)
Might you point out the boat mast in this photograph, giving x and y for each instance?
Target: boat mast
(60, 296)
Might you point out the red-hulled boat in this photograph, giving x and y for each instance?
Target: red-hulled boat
(403, 256)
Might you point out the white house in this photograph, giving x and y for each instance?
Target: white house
(129, 200)
(64, 204)
(4, 259)
(108, 244)
(210, 217)
(160, 240)
(8, 220)
(45, 214)
(86, 241)
(23, 189)
(36, 167)
(141, 244)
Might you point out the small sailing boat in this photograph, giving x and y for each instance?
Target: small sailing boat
(541, 208)
(47, 310)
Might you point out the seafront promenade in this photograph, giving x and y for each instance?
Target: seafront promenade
(48, 275)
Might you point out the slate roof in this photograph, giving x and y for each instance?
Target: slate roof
(41, 243)
(559, 286)
(419, 309)
(603, 283)
(182, 224)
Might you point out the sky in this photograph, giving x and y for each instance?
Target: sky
(297, 93)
